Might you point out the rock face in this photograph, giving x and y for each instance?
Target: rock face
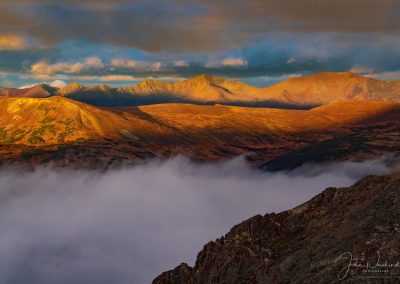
(302, 92)
(312, 243)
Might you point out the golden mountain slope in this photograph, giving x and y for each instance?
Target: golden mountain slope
(328, 87)
(313, 89)
(57, 119)
(203, 88)
(70, 88)
(71, 132)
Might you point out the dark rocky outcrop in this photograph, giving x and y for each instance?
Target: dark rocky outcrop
(311, 243)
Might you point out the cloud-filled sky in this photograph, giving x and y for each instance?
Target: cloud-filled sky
(126, 226)
(257, 41)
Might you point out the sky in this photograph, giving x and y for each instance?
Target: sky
(261, 42)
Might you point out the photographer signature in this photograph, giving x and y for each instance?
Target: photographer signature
(355, 262)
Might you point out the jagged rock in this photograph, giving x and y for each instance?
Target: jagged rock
(310, 242)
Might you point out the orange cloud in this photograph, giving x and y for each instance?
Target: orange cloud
(44, 68)
(12, 42)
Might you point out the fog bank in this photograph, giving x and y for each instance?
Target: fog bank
(129, 225)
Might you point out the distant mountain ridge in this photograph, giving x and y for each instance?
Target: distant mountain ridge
(38, 91)
(300, 92)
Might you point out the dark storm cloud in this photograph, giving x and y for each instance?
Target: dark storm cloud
(129, 225)
(21, 60)
(192, 26)
(141, 25)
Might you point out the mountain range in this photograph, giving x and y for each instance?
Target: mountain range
(337, 117)
(300, 92)
(357, 118)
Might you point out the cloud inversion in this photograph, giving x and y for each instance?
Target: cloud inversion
(128, 225)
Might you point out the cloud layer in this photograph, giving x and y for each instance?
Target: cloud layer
(127, 226)
(88, 64)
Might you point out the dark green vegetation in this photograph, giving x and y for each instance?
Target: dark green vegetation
(68, 129)
(48, 128)
(37, 134)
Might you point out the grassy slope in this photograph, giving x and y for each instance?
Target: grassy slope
(58, 120)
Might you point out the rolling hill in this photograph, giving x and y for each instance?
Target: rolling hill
(301, 92)
(46, 118)
(61, 128)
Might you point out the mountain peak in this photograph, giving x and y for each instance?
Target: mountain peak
(205, 78)
(44, 87)
(101, 87)
(71, 88)
(39, 91)
(74, 85)
(148, 82)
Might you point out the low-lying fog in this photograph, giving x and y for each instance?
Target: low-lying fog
(127, 226)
